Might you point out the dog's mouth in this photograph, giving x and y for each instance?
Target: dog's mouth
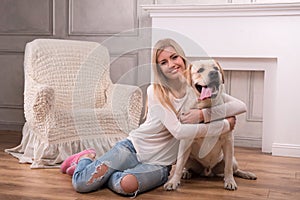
(207, 91)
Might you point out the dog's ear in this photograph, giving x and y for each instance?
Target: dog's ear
(221, 71)
(188, 74)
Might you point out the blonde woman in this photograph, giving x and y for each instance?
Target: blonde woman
(143, 160)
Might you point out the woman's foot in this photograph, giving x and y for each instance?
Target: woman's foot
(71, 169)
(72, 161)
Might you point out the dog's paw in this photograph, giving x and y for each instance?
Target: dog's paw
(250, 176)
(186, 174)
(171, 185)
(230, 184)
(245, 174)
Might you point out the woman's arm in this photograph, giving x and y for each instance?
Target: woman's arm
(184, 131)
(231, 107)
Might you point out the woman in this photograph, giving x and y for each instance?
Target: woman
(143, 160)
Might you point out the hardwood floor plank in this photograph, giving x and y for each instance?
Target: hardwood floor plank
(279, 194)
(278, 178)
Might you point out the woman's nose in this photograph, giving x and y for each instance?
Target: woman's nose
(171, 64)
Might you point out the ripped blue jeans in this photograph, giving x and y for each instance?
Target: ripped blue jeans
(121, 160)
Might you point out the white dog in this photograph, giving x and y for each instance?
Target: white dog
(213, 155)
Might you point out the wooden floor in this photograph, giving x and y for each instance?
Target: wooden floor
(278, 178)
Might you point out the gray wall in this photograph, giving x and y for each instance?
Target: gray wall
(22, 21)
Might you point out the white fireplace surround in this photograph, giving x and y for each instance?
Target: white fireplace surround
(247, 37)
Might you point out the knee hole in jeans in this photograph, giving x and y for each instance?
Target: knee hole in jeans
(129, 183)
(98, 174)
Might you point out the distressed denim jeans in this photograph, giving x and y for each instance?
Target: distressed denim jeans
(120, 160)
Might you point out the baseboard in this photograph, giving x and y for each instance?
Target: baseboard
(11, 127)
(288, 150)
(241, 141)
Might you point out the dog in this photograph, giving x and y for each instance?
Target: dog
(213, 155)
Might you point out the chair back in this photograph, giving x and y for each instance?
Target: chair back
(77, 71)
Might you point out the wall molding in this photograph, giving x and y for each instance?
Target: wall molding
(250, 116)
(115, 55)
(224, 10)
(11, 106)
(2, 122)
(10, 52)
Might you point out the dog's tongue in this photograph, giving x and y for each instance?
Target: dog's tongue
(205, 93)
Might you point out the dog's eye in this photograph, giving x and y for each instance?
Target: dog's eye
(200, 70)
(216, 68)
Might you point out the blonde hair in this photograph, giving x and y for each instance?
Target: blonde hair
(161, 89)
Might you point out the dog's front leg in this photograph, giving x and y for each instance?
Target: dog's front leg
(228, 150)
(183, 154)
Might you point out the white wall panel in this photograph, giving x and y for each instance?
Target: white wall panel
(255, 96)
(247, 86)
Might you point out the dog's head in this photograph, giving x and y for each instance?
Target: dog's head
(207, 79)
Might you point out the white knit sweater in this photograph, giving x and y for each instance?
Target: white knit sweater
(157, 139)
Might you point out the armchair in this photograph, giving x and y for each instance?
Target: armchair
(70, 102)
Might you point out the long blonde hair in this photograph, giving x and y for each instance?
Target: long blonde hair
(161, 90)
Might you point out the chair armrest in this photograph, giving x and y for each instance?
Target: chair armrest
(128, 100)
(38, 100)
(43, 103)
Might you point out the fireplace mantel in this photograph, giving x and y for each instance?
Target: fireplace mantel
(223, 10)
(268, 32)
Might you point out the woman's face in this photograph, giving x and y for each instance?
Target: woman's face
(170, 63)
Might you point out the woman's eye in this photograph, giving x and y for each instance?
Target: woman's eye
(162, 63)
(175, 57)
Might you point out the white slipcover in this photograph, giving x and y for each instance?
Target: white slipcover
(70, 103)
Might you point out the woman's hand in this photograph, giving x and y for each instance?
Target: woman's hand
(232, 121)
(194, 116)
